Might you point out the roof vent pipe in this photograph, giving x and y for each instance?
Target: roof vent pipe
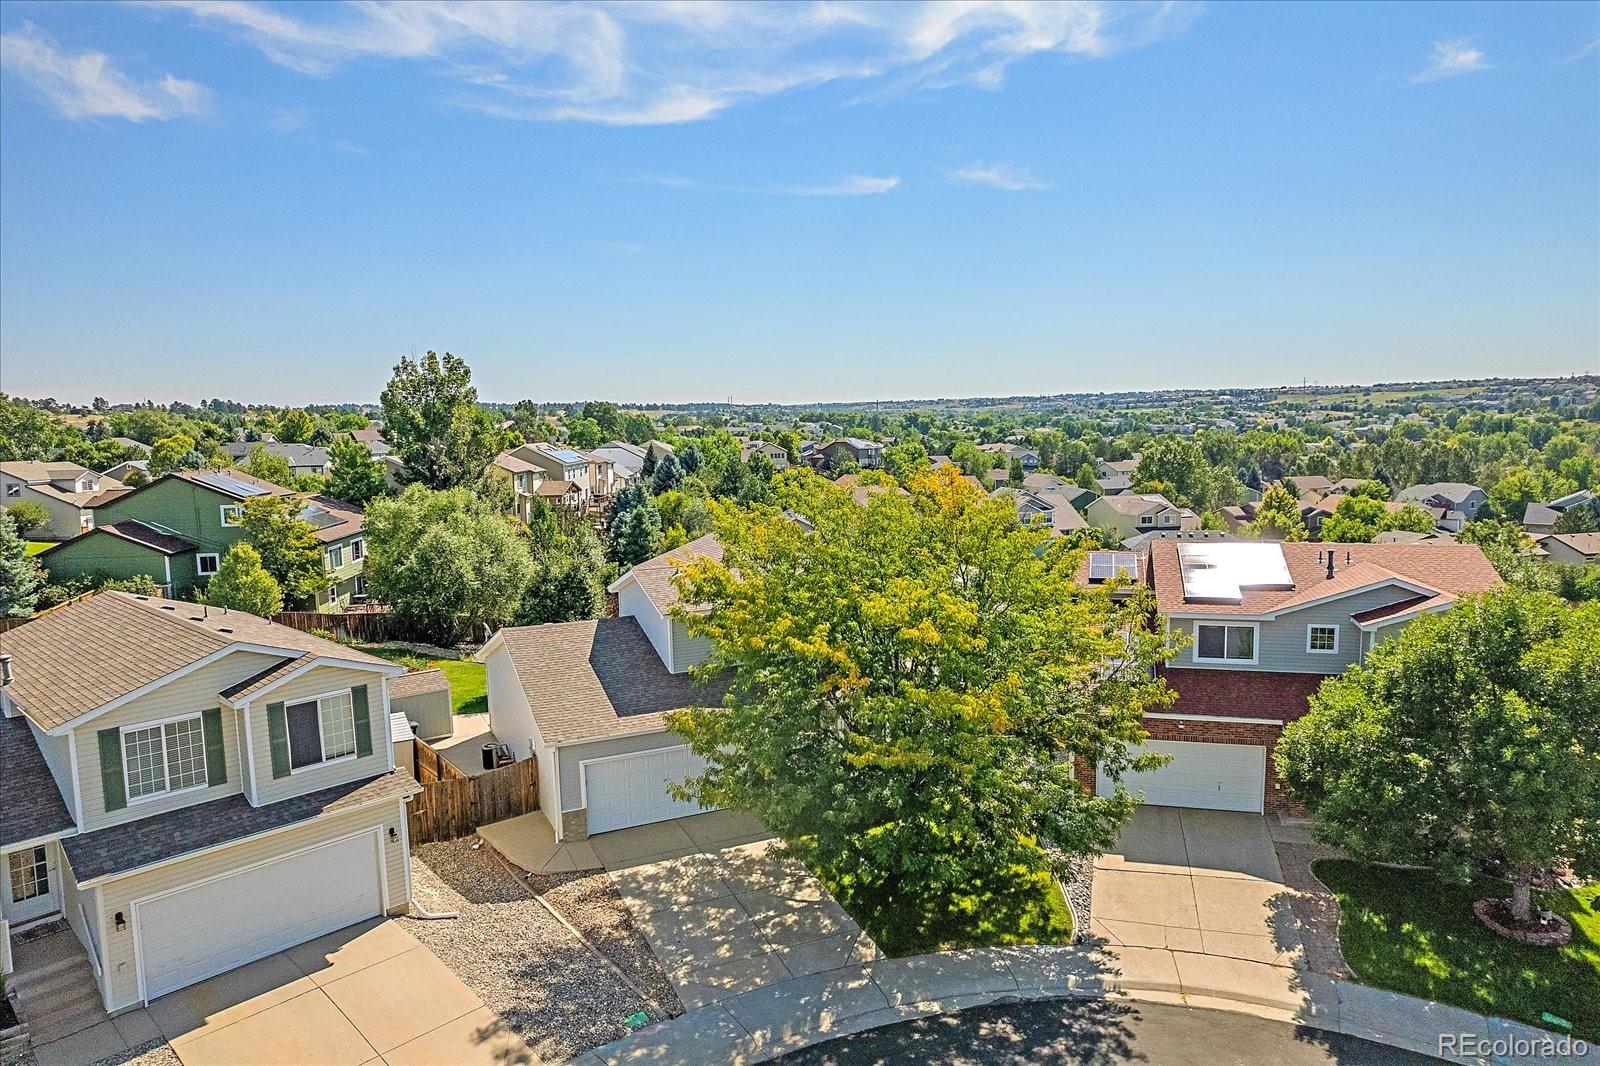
(1330, 564)
(5, 670)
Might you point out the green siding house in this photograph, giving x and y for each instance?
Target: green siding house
(177, 528)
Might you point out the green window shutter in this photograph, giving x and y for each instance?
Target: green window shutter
(216, 761)
(278, 736)
(111, 783)
(358, 699)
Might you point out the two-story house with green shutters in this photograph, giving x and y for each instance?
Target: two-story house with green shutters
(177, 528)
(190, 789)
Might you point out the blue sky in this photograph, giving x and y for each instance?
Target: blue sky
(793, 203)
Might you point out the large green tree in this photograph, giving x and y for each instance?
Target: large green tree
(241, 583)
(911, 681)
(20, 575)
(445, 563)
(1471, 739)
(432, 421)
(267, 466)
(287, 543)
(1177, 466)
(1278, 516)
(355, 476)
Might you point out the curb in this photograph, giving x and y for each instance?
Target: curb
(767, 1022)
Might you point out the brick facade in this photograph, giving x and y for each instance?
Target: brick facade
(1234, 694)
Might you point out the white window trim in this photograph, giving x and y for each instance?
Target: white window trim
(322, 747)
(1255, 643)
(222, 513)
(215, 565)
(336, 549)
(358, 549)
(168, 791)
(1322, 651)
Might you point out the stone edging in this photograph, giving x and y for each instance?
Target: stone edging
(767, 1022)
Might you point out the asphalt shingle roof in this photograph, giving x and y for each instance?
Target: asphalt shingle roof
(417, 682)
(598, 678)
(32, 805)
(140, 843)
(84, 654)
(655, 575)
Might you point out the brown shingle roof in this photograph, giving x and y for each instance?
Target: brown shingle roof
(655, 575)
(139, 533)
(597, 679)
(417, 682)
(1450, 569)
(82, 655)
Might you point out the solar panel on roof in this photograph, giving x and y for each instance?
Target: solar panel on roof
(1103, 566)
(319, 518)
(1220, 573)
(232, 485)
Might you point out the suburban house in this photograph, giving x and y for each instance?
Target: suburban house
(779, 457)
(1113, 484)
(1582, 549)
(373, 439)
(1046, 507)
(133, 445)
(866, 454)
(627, 460)
(339, 527)
(589, 699)
(1452, 503)
(1014, 452)
(525, 481)
(123, 470)
(302, 458)
(1134, 513)
(177, 528)
(1113, 468)
(191, 789)
(1267, 623)
(1041, 482)
(1542, 517)
(659, 448)
(63, 489)
(567, 478)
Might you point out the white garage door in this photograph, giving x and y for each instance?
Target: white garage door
(626, 790)
(204, 929)
(1215, 777)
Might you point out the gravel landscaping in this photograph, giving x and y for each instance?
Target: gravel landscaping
(593, 905)
(522, 962)
(1079, 888)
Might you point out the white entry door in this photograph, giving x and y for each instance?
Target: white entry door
(203, 929)
(1215, 777)
(32, 884)
(624, 790)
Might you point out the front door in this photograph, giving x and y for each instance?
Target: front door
(32, 884)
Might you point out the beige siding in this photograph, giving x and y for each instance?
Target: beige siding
(189, 694)
(318, 681)
(573, 756)
(687, 651)
(117, 896)
(57, 752)
(78, 907)
(510, 716)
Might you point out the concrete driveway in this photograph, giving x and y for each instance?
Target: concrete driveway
(721, 912)
(1197, 891)
(367, 994)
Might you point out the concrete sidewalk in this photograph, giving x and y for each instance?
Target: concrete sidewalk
(770, 1021)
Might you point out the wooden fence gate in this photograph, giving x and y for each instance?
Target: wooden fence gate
(452, 804)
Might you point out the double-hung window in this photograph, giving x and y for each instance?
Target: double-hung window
(335, 557)
(358, 550)
(164, 757)
(1322, 640)
(321, 730)
(1224, 643)
(232, 514)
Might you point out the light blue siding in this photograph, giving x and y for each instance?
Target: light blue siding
(1281, 643)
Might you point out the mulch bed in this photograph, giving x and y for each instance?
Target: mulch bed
(1539, 932)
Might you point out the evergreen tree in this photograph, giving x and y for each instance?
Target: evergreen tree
(20, 574)
(668, 475)
(638, 536)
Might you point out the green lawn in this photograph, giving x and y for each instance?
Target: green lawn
(1015, 907)
(1405, 930)
(469, 688)
(34, 547)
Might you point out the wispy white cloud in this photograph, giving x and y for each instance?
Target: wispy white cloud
(999, 175)
(1450, 59)
(350, 146)
(655, 63)
(289, 119)
(88, 84)
(853, 185)
(1581, 52)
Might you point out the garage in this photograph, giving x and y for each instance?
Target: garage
(1214, 777)
(200, 930)
(625, 790)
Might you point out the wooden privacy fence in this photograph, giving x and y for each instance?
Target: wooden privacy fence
(431, 766)
(453, 806)
(372, 627)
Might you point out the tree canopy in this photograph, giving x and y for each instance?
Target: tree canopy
(241, 583)
(1473, 738)
(909, 682)
(20, 575)
(355, 476)
(432, 421)
(287, 544)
